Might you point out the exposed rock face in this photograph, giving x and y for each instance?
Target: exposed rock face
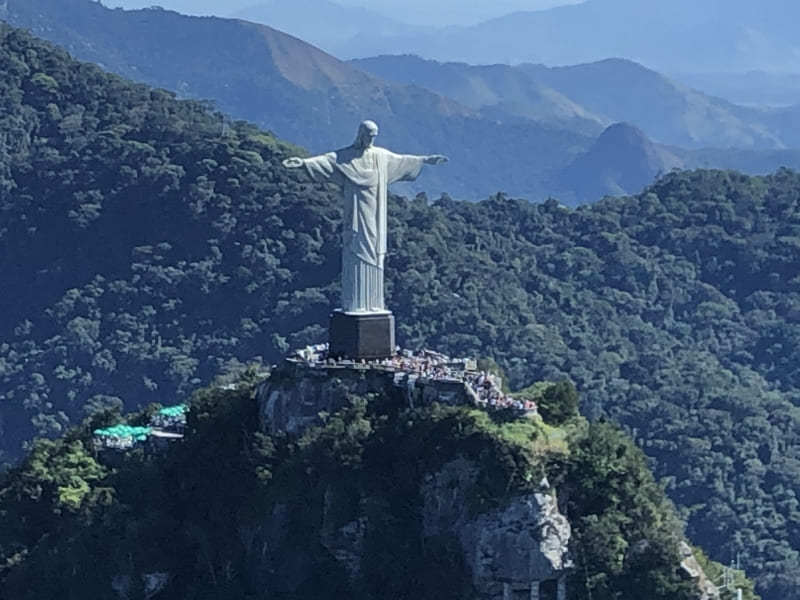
(517, 551)
(152, 584)
(272, 561)
(346, 542)
(292, 399)
(690, 566)
(510, 549)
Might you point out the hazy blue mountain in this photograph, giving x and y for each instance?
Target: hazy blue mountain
(413, 12)
(666, 110)
(281, 83)
(325, 24)
(589, 97)
(787, 120)
(256, 73)
(189, 7)
(748, 87)
(621, 159)
(683, 35)
(499, 91)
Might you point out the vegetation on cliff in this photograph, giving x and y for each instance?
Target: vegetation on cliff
(146, 246)
(200, 511)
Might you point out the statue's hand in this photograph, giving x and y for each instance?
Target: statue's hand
(293, 162)
(435, 159)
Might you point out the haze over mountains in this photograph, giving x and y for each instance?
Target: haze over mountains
(333, 25)
(442, 13)
(683, 35)
(705, 32)
(518, 130)
(679, 36)
(724, 39)
(590, 97)
(257, 73)
(742, 51)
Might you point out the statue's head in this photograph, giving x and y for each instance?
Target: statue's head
(367, 132)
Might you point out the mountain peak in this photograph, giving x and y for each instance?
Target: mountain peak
(623, 135)
(621, 161)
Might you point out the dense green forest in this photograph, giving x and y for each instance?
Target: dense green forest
(204, 512)
(146, 247)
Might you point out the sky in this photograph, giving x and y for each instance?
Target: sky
(416, 12)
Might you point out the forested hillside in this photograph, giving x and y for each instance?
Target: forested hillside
(230, 513)
(130, 222)
(145, 248)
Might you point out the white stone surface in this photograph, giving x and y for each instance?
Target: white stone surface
(510, 550)
(364, 171)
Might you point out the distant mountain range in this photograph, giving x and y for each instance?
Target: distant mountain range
(523, 130)
(501, 92)
(713, 47)
(678, 36)
(249, 71)
(690, 128)
(325, 24)
(749, 87)
(283, 84)
(668, 111)
(590, 97)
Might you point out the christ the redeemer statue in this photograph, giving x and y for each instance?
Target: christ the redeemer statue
(364, 172)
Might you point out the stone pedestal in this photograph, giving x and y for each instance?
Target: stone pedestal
(368, 335)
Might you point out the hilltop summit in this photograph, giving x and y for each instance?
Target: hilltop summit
(622, 158)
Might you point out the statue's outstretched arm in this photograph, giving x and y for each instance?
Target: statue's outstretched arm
(435, 159)
(317, 167)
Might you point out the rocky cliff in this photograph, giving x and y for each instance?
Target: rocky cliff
(298, 393)
(518, 548)
(518, 551)
(514, 551)
(334, 486)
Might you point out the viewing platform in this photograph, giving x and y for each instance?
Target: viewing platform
(309, 383)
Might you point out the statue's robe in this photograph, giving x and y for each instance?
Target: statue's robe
(364, 175)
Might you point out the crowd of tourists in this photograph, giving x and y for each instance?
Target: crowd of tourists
(490, 394)
(487, 387)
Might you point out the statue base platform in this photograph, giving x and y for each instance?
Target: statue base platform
(361, 335)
